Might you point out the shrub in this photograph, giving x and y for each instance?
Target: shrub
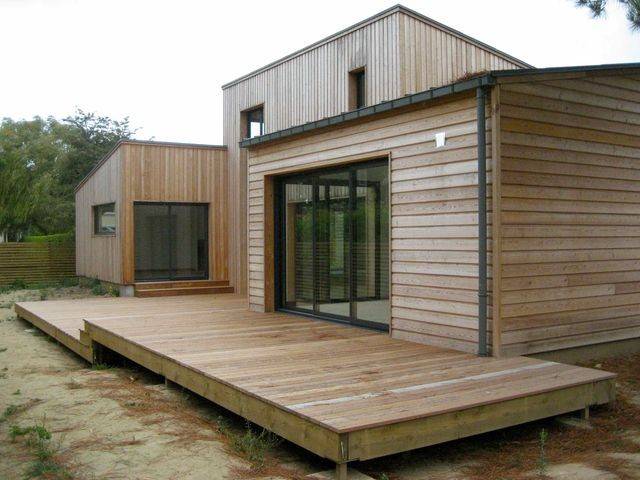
(68, 237)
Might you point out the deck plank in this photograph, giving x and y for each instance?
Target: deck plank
(328, 376)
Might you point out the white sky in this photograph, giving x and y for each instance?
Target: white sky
(162, 62)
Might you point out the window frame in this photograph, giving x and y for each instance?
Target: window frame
(246, 121)
(358, 88)
(97, 214)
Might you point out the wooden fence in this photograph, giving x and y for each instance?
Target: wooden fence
(36, 262)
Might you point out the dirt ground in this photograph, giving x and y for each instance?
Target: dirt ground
(124, 423)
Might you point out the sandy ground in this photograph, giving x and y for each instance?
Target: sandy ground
(124, 423)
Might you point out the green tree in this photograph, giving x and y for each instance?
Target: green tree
(41, 162)
(598, 9)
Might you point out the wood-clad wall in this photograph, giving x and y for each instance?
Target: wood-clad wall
(432, 57)
(434, 257)
(177, 174)
(401, 53)
(138, 171)
(570, 212)
(99, 256)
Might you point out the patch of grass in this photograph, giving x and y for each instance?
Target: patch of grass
(70, 282)
(97, 288)
(38, 440)
(17, 284)
(9, 412)
(113, 291)
(253, 444)
(14, 409)
(100, 366)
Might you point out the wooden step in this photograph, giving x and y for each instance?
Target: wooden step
(181, 284)
(165, 292)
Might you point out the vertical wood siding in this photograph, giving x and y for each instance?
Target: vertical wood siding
(570, 212)
(434, 257)
(177, 174)
(402, 54)
(433, 57)
(99, 256)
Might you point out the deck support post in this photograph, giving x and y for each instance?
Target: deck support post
(341, 471)
(97, 353)
(584, 413)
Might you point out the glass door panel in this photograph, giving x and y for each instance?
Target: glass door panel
(298, 260)
(333, 228)
(170, 241)
(152, 243)
(332, 244)
(189, 228)
(371, 244)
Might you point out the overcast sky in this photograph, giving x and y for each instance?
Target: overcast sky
(162, 62)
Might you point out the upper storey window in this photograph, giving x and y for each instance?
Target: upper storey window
(357, 88)
(254, 122)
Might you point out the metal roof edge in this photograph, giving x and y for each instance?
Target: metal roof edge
(416, 98)
(485, 79)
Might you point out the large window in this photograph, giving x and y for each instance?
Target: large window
(104, 219)
(171, 241)
(333, 244)
(254, 126)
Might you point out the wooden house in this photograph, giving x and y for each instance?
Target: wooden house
(153, 216)
(459, 205)
(402, 176)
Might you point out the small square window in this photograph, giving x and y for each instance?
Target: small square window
(104, 219)
(254, 122)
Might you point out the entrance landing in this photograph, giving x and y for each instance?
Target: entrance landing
(341, 392)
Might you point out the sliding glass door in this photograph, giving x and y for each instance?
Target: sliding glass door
(171, 241)
(333, 244)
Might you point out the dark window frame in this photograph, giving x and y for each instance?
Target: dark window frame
(280, 248)
(358, 88)
(171, 276)
(248, 120)
(97, 212)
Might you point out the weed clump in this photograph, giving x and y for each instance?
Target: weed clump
(38, 440)
(254, 444)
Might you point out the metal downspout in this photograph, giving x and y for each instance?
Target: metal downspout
(481, 96)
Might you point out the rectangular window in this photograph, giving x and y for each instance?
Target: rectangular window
(357, 89)
(104, 219)
(332, 245)
(171, 241)
(254, 119)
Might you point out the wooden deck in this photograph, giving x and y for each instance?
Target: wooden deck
(341, 392)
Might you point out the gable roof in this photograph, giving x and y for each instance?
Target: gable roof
(378, 16)
(481, 80)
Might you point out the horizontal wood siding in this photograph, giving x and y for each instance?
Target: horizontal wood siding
(401, 54)
(434, 257)
(99, 256)
(36, 262)
(177, 174)
(570, 212)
